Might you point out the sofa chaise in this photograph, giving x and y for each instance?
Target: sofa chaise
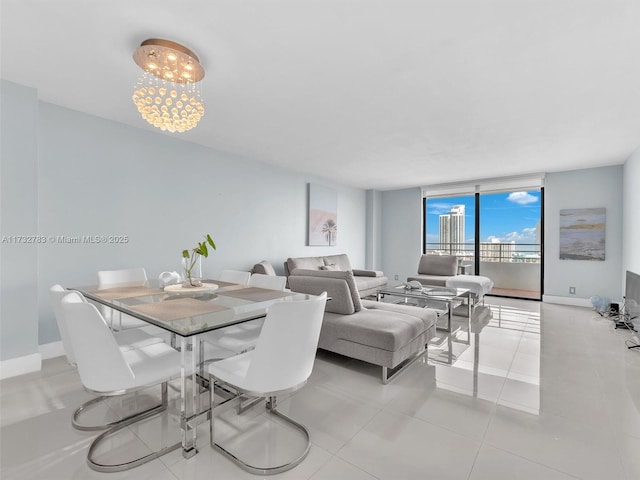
(391, 336)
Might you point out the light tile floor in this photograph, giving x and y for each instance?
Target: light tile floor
(539, 391)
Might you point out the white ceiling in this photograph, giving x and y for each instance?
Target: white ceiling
(371, 93)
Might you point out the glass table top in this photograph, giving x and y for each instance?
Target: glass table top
(428, 291)
(186, 311)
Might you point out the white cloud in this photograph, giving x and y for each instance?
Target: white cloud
(438, 208)
(522, 198)
(513, 237)
(527, 235)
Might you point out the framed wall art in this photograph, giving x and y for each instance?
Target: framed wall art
(582, 234)
(323, 216)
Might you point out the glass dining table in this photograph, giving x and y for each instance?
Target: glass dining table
(187, 313)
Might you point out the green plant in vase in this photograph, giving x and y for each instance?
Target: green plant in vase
(192, 262)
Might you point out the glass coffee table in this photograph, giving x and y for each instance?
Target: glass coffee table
(430, 296)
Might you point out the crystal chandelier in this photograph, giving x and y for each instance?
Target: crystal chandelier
(167, 94)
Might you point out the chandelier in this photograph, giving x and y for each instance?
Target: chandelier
(167, 94)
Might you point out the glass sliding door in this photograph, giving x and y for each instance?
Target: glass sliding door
(495, 228)
(510, 239)
(449, 224)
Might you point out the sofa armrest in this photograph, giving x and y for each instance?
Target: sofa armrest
(367, 273)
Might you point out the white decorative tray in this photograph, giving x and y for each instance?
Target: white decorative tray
(206, 287)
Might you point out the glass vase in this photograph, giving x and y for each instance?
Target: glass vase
(192, 271)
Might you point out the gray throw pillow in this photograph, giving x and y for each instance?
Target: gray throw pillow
(333, 267)
(341, 261)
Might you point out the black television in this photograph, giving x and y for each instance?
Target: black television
(632, 306)
(632, 294)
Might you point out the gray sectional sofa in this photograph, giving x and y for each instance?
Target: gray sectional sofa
(367, 281)
(392, 336)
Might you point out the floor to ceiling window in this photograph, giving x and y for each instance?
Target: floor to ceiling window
(494, 230)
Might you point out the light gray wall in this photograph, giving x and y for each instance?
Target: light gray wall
(631, 214)
(98, 177)
(401, 232)
(588, 188)
(18, 216)
(102, 178)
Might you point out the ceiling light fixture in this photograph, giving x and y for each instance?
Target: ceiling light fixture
(167, 94)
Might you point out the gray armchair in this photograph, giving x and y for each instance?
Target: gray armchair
(435, 269)
(442, 270)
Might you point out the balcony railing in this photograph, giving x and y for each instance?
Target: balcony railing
(489, 252)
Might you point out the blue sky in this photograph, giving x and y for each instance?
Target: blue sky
(506, 216)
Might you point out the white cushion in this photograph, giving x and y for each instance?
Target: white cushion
(477, 284)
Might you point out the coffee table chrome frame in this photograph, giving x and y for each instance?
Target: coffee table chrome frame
(407, 294)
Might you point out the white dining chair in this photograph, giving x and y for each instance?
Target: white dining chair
(235, 276)
(106, 370)
(281, 362)
(243, 337)
(121, 278)
(126, 340)
(124, 276)
(56, 294)
(272, 282)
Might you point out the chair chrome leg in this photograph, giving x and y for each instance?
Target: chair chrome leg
(271, 408)
(119, 467)
(76, 414)
(247, 404)
(212, 387)
(89, 428)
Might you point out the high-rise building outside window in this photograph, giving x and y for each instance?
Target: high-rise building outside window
(452, 230)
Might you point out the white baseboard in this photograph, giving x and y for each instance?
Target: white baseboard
(576, 302)
(21, 365)
(51, 350)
